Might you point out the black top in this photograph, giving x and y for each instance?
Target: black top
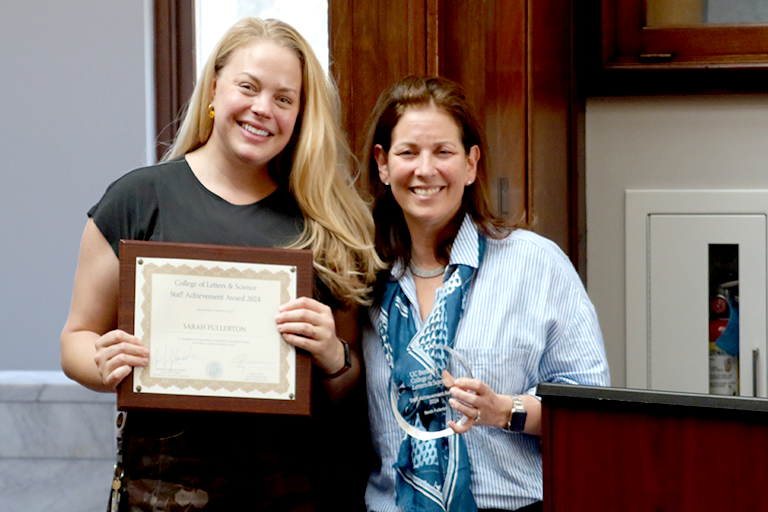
(266, 462)
(167, 203)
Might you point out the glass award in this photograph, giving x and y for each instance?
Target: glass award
(421, 405)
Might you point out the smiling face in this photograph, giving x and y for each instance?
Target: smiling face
(257, 99)
(427, 168)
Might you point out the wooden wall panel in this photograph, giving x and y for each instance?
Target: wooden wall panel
(549, 119)
(484, 50)
(373, 43)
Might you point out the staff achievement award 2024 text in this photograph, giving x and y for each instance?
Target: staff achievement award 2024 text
(207, 315)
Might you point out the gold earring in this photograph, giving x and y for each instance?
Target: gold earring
(211, 112)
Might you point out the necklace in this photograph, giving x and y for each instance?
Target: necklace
(425, 274)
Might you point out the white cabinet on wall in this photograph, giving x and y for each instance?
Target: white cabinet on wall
(670, 237)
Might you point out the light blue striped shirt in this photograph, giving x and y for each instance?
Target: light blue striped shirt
(528, 320)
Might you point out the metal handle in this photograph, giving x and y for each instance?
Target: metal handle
(504, 196)
(655, 57)
(755, 354)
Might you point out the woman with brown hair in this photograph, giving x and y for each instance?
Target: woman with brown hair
(461, 281)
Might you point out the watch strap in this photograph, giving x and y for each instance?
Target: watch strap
(347, 362)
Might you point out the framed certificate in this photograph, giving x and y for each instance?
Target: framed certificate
(207, 315)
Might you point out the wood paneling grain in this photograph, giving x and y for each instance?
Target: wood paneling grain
(644, 457)
(174, 66)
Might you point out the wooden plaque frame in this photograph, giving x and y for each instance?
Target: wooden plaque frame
(128, 399)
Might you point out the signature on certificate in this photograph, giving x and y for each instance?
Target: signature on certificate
(173, 358)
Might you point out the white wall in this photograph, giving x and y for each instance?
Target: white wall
(74, 103)
(691, 142)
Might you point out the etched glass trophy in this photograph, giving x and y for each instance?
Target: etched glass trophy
(419, 396)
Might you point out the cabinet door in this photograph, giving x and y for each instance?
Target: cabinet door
(678, 273)
(691, 34)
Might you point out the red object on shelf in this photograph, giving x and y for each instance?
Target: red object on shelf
(719, 305)
(716, 328)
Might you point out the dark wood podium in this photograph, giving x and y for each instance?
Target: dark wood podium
(610, 449)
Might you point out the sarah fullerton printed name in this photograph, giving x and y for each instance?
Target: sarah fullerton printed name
(213, 328)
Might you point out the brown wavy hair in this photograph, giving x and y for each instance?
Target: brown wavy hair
(393, 240)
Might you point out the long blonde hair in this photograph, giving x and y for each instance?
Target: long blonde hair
(315, 164)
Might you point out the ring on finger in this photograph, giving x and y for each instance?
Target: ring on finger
(477, 419)
(314, 331)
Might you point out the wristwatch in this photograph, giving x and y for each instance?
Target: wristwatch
(347, 362)
(517, 415)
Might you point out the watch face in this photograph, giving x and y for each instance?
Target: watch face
(518, 421)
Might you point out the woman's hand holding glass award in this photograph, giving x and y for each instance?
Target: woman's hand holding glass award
(420, 400)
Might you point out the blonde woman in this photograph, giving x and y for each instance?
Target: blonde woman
(259, 161)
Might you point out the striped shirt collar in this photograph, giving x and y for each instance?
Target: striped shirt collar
(463, 252)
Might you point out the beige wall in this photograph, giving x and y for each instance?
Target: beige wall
(682, 142)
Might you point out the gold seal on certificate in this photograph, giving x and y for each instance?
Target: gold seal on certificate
(207, 315)
(420, 400)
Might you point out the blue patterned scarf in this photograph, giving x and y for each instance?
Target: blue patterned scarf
(434, 474)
